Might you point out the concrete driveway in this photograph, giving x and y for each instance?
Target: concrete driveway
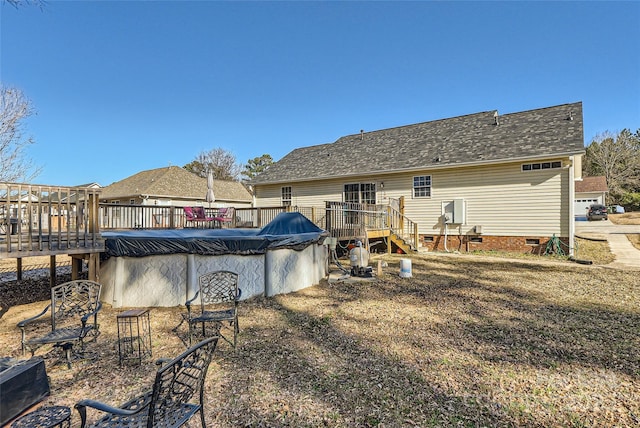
(627, 256)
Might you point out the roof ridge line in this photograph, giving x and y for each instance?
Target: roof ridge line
(420, 123)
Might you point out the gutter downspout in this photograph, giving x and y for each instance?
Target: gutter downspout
(572, 197)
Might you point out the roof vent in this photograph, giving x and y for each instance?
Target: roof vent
(570, 115)
(495, 118)
(362, 135)
(437, 159)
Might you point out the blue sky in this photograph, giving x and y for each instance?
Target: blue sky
(121, 87)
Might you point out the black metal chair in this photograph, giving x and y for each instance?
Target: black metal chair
(74, 311)
(221, 289)
(169, 403)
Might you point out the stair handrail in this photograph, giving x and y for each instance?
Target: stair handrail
(402, 226)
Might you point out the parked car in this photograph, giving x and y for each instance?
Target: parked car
(597, 212)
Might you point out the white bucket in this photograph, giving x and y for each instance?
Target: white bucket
(405, 268)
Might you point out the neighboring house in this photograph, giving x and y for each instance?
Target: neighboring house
(92, 185)
(590, 190)
(503, 181)
(174, 186)
(70, 195)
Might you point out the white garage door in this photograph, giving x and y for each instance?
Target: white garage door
(581, 206)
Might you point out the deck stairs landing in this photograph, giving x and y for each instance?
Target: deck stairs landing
(347, 221)
(405, 245)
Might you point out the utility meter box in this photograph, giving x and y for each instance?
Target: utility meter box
(454, 211)
(458, 211)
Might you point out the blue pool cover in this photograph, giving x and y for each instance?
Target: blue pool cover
(287, 230)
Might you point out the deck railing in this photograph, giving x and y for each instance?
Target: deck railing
(402, 226)
(348, 220)
(39, 219)
(121, 216)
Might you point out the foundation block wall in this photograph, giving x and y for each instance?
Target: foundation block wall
(468, 243)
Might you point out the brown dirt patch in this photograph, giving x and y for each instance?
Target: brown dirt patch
(467, 341)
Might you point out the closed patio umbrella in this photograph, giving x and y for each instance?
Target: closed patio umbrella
(211, 197)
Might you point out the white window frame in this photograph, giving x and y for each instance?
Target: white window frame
(366, 191)
(284, 192)
(539, 166)
(424, 184)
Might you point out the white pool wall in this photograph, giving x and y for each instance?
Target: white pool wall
(170, 280)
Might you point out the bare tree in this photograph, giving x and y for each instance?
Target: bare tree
(15, 165)
(219, 161)
(18, 3)
(617, 157)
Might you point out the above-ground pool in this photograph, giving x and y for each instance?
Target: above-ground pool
(146, 268)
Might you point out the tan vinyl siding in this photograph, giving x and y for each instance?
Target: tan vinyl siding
(577, 167)
(310, 194)
(502, 199)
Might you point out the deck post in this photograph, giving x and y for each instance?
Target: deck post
(76, 265)
(172, 217)
(401, 209)
(327, 216)
(94, 267)
(52, 271)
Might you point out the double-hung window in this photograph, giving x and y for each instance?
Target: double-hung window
(286, 196)
(422, 186)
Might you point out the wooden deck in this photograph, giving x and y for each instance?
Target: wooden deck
(39, 220)
(364, 222)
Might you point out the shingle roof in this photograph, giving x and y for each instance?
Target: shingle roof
(174, 182)
(457, 141)
(592, 184)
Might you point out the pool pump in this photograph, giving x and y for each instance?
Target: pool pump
(359, 258)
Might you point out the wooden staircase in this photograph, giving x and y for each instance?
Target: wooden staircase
(392, 239)
(351, 221)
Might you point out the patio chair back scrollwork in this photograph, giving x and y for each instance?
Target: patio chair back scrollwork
(220, 289)
(170, 403)
(74, 311)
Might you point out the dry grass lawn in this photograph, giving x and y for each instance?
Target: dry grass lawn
(634, 239)
(626, 218)
(467, 341)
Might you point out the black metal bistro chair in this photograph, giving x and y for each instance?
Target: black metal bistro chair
(170, 403)
(74, 316)
(220, 289)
